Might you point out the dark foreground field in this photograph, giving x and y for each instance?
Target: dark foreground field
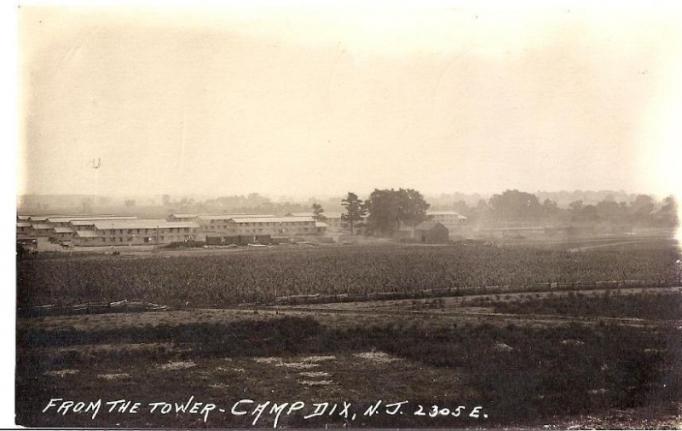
(522, 372)
(602, 357)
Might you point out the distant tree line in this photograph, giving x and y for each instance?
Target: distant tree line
(514, 205)
(252, 203)
(386, 211)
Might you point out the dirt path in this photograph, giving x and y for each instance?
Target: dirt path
(462, 300)
(464, 315)
(455, 308)
(610, 244)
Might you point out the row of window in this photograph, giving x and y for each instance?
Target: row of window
(154, 230)
(274, 223)
(260, 230)
(145, 239)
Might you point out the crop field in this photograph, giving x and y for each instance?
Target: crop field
(260, 276)
(608, 356)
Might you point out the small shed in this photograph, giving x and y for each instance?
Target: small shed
(431, 232)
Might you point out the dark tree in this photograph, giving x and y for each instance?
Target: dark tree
(550, 208)
(412, 207)
(355, 210)
(589, 213)
(576, 206)
(389, 209)
(609, 210)
(382, 206)
(318, 212)
(462, 208)
(641, 208)
(667, 214)
(515, 205)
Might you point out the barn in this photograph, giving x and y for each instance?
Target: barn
(431, 232)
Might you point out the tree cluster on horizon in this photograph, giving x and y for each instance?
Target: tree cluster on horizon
(515, 205)
(388, 210)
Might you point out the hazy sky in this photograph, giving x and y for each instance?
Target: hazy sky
(322, 100)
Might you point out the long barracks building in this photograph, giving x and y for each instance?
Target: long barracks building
(240, 228)
(110, 230)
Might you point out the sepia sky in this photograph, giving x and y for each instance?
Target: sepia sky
(312, 99)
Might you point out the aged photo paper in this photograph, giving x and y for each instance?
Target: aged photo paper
(348, 214)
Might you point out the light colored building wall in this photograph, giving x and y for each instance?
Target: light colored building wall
(275, 226)
(136, 232)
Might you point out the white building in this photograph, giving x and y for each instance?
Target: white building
(222, 224)
(274, 226)
(135, 232)
(332, 220)
(446, 218)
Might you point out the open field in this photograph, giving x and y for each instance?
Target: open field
(260, 276)
(661, 305)
(448, 358)
(569, 355)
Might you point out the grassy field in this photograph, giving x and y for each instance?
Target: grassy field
(227, 279)
(522, 374)
(606, 357)
(660, 306)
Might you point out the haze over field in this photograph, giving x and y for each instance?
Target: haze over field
(317, 101)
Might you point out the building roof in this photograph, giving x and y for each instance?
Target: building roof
(428, 225)
(63, 230)
(310, 214)
(82, 218)
(302, 214)
(23, 224)
(445, 213)
(274, 220)
(40, 226)
(232, 216)
(142, 224)
(37, 218)
(43, 217)
(82, 222)
(86, 234)
(188, 216)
